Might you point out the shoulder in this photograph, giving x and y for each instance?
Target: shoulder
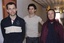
(38, 17)
(45, 24)
(4, 20)
(25, 17)
(57, 23)
(21, 19)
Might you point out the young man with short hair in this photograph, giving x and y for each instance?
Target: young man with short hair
(13, 27)
(32, 21)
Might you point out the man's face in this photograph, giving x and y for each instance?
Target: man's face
(31, 10)
(51, 15)
(12, 10)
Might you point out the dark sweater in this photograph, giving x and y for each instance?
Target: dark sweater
(57, 32)
(52, 35)
(13, 37)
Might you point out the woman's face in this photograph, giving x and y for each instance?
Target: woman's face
(51, 14)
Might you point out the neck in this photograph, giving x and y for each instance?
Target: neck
(13, 17)
(31, 15)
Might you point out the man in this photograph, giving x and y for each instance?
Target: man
(13, 27)
(32, 21)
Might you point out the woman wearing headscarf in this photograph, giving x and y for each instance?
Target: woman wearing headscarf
(52, 30)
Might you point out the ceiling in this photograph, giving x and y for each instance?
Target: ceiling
(52, 3)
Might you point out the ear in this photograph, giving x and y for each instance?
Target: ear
(16, 9)
(35, 11)
(7, 10)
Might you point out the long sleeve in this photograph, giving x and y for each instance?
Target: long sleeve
(61, 33)
(2, 29)
(23, 31)
(43, 33)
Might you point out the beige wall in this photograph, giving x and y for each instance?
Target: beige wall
(1, 17)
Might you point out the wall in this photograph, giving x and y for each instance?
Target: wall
(1, 16)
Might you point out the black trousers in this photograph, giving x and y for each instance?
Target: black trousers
(5, 41)
(32, 40)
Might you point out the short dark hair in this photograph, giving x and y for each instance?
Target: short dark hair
(10, 3)
(32, 5)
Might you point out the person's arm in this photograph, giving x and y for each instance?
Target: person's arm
(2, 29)
(41, 21)
(43, 33)
(23, 31)
(61, 32)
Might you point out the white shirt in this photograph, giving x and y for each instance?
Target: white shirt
(12, 21)
(32, 25)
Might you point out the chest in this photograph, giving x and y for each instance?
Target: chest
(15, 23)
(32, 21)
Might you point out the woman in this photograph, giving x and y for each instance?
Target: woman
(52, 30)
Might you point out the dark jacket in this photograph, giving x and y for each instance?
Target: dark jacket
(58, 29)
(13, 37)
